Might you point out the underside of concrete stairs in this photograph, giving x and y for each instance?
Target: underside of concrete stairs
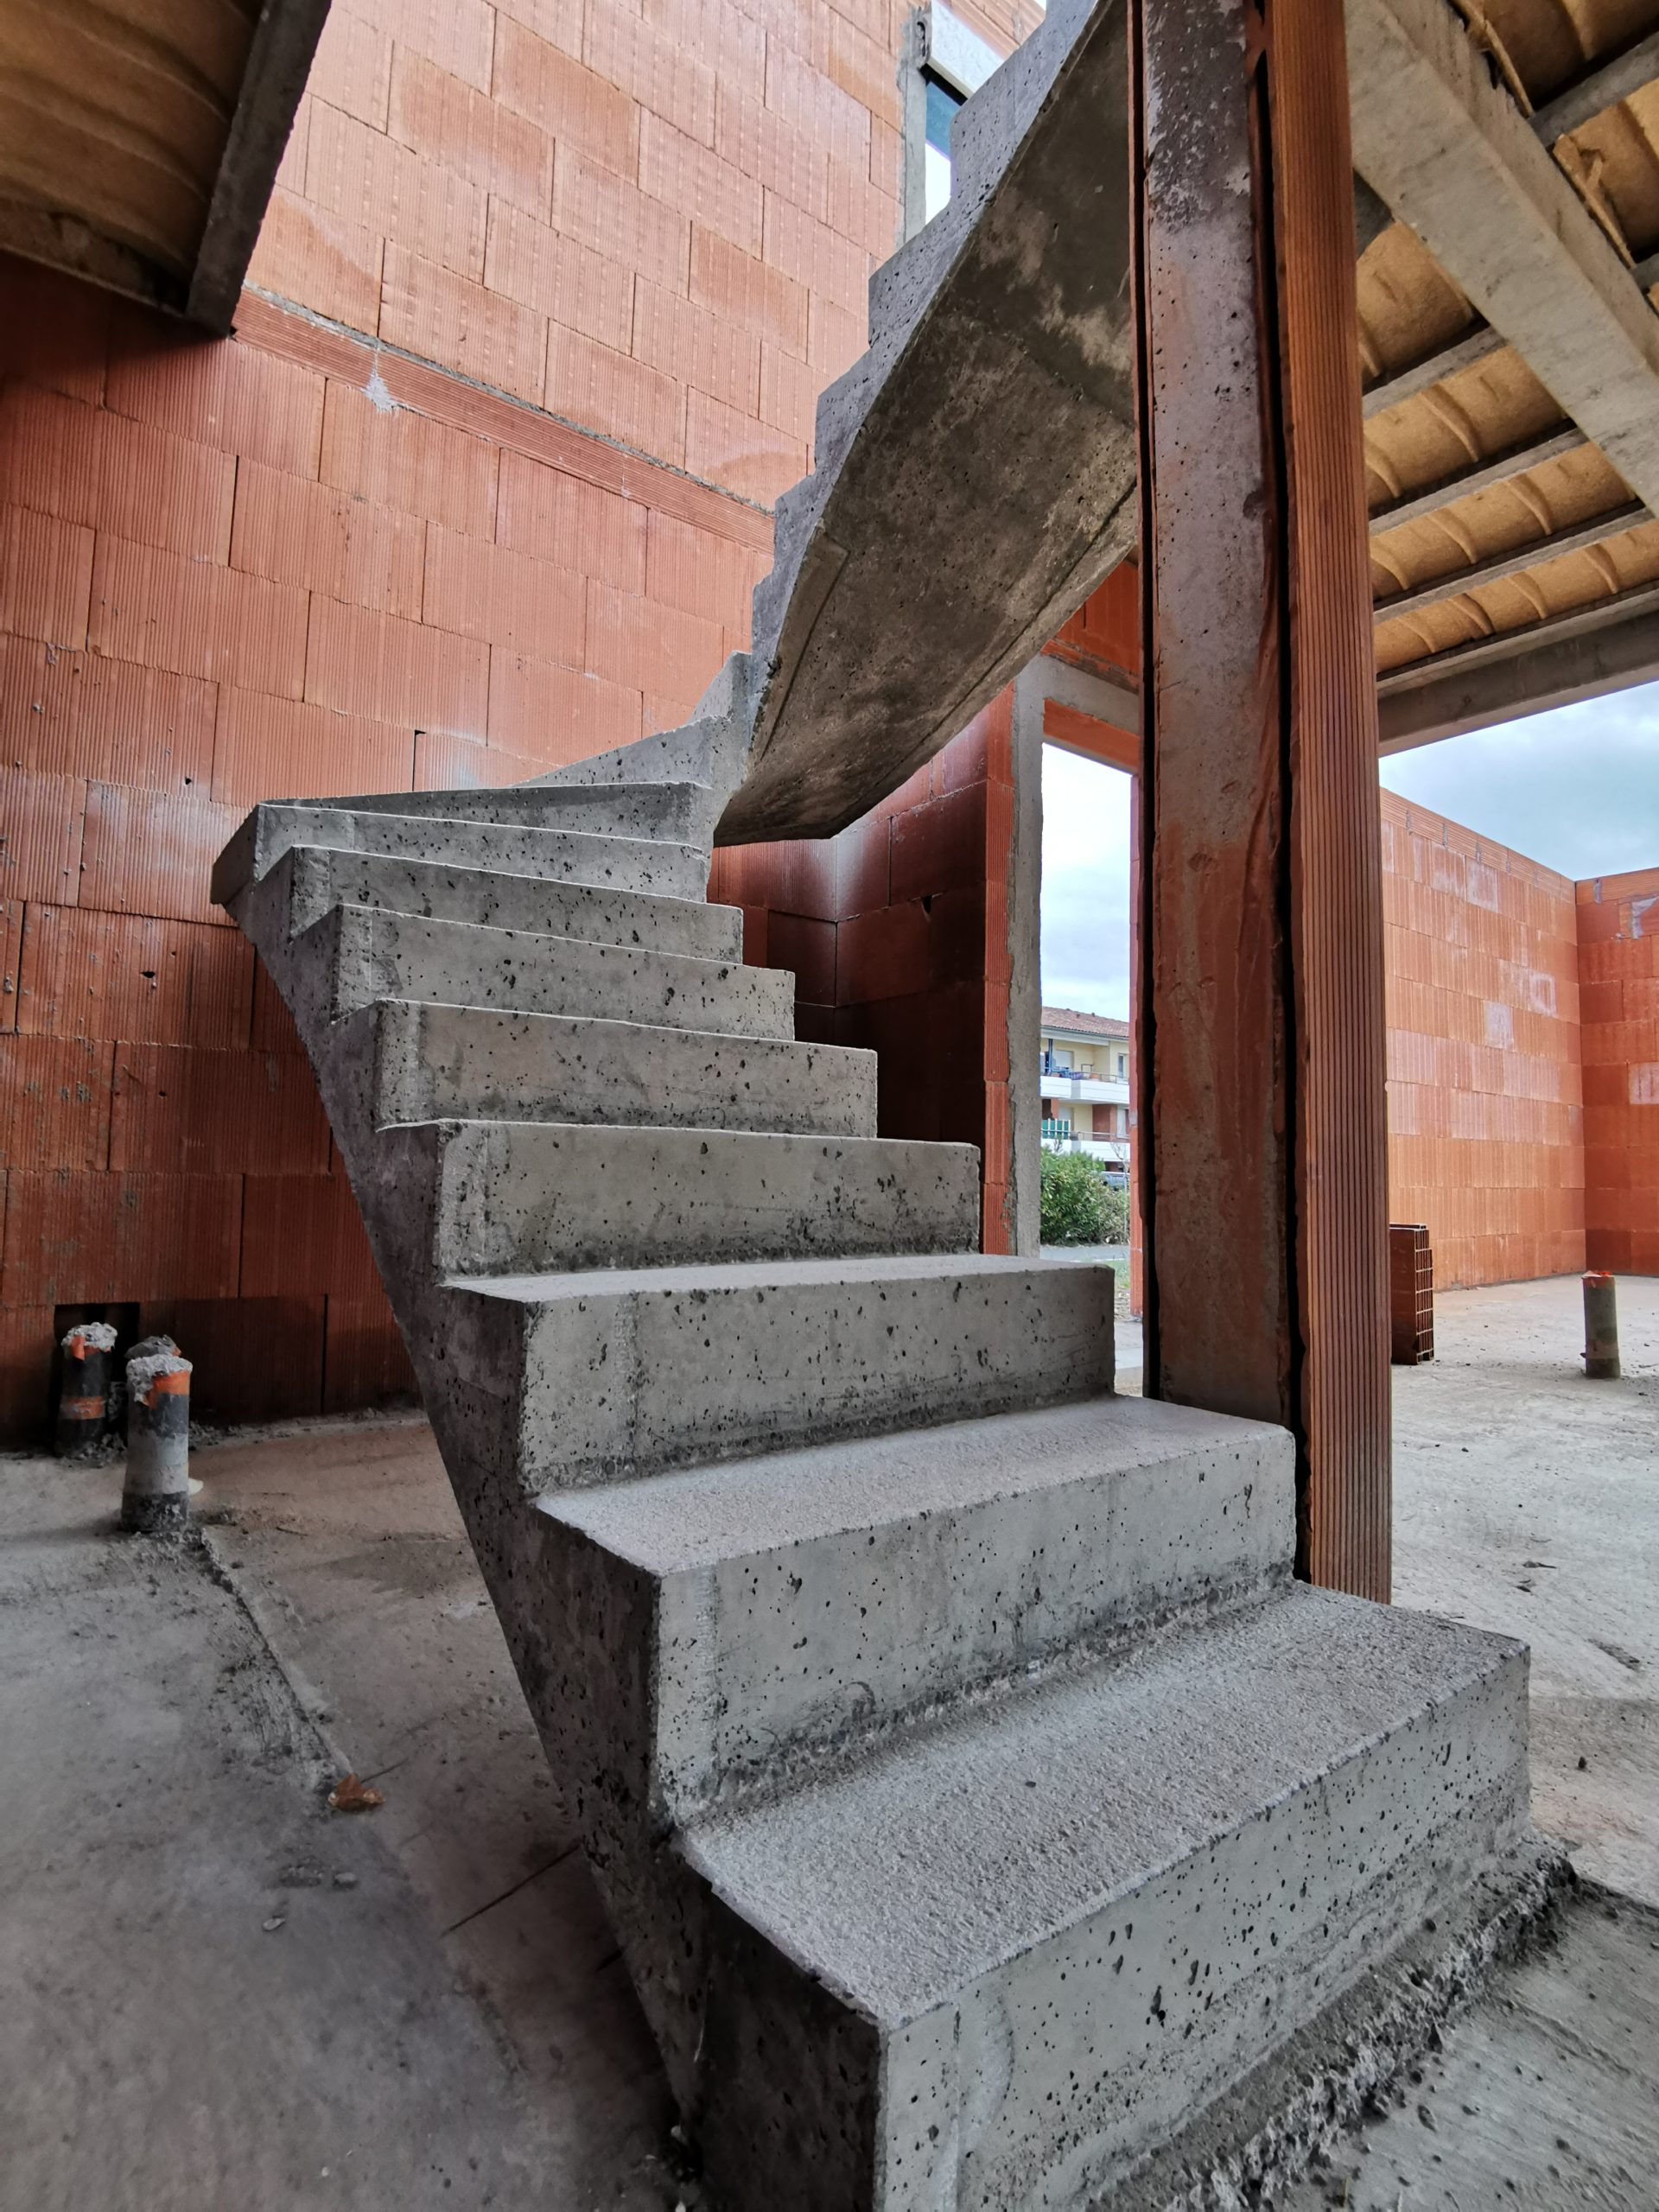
(979, 1806)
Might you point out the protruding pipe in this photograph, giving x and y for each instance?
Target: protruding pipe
(157, 1496)
(1601, 1327)
(84, 1399)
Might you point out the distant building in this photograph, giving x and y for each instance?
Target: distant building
(1085, 1084)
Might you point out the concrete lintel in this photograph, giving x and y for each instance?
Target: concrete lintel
(1085, 692)
(1584, 655)
(279, 61)
(1453, 154)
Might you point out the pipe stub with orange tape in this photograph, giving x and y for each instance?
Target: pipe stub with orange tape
(156, 1494)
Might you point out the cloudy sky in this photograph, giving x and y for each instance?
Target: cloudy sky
(1578, 789)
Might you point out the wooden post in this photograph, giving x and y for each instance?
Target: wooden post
(1261, 983)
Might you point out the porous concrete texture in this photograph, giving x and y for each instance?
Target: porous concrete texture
(466, 1999)
(817, 1678)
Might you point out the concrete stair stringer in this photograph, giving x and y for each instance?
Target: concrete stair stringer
(975, 1803)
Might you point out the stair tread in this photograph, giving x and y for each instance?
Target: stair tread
(946, 1855)
(493, 938)
(722, 1276)
(697, 1516)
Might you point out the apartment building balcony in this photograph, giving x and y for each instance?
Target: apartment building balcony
(1064, 1084)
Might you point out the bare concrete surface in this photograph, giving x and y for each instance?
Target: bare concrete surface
(456, 2029)
(1526, 1499)
(1543, 2098)
(219, 1994)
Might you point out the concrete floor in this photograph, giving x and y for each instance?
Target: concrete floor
(221, 1994)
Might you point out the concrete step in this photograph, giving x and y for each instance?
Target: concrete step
(322, 876)
(373, 955)
(998, 1961)
(800, 1604)
(680, 812)
(673, 871)
(619, 1373)
(474, 1063)
(535, 1197)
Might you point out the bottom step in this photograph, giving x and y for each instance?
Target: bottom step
(995, 1965)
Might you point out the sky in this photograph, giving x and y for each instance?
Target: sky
(1577, 789)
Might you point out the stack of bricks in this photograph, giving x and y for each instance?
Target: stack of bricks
(1619, 957)
(1485, 1134)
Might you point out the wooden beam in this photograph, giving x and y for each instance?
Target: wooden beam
(1262, 1157)
(1533, 556)
(1405, 383)
(1585, 654)
(279, 60)
(1479, 476)
(1600, 88)
(1452, 154)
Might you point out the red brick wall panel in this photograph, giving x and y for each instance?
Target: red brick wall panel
(294, 530)
(1485, 1096)
(253, 1360)
(82, 973)
(165, 611)
(41, 819)
(55, 1102)
(150, 853)
(1619, 938)
(46, 576)
(74, 1237)
(110, 721)
(390, 456)
(302, 1234)
(285, 749)
(176, 1107)
(365, 1362)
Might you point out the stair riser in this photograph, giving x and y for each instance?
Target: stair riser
(767, 1660)
(400, 957)
(671, 871)
(622, 1383)
(472, 1063)
(325, 878)
(680, 813)
(526, 1199)
(1042, 2084)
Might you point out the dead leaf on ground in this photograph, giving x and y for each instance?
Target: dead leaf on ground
(352, 1796)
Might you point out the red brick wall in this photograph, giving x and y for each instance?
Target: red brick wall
(1618, 967)
(1485, 1134)
(565, 283)
(897, 933)
(655, 221)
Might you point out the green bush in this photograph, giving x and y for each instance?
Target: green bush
(1079, 1206)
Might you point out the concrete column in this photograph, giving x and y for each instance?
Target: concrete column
(1262, 1108)
(1025, 961)
(1601, 1327)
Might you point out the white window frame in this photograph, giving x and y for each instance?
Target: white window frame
(941, 45)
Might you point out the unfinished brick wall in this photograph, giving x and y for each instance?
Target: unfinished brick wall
(657, 221)
(582, 270)
(1485, 1124)
(1619, 969)
(897, 933)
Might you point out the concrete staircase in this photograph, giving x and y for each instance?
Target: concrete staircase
(986, 1818)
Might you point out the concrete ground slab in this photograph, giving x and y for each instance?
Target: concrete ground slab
(1527, 1500)
(219, 1993)
(160, 2048)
